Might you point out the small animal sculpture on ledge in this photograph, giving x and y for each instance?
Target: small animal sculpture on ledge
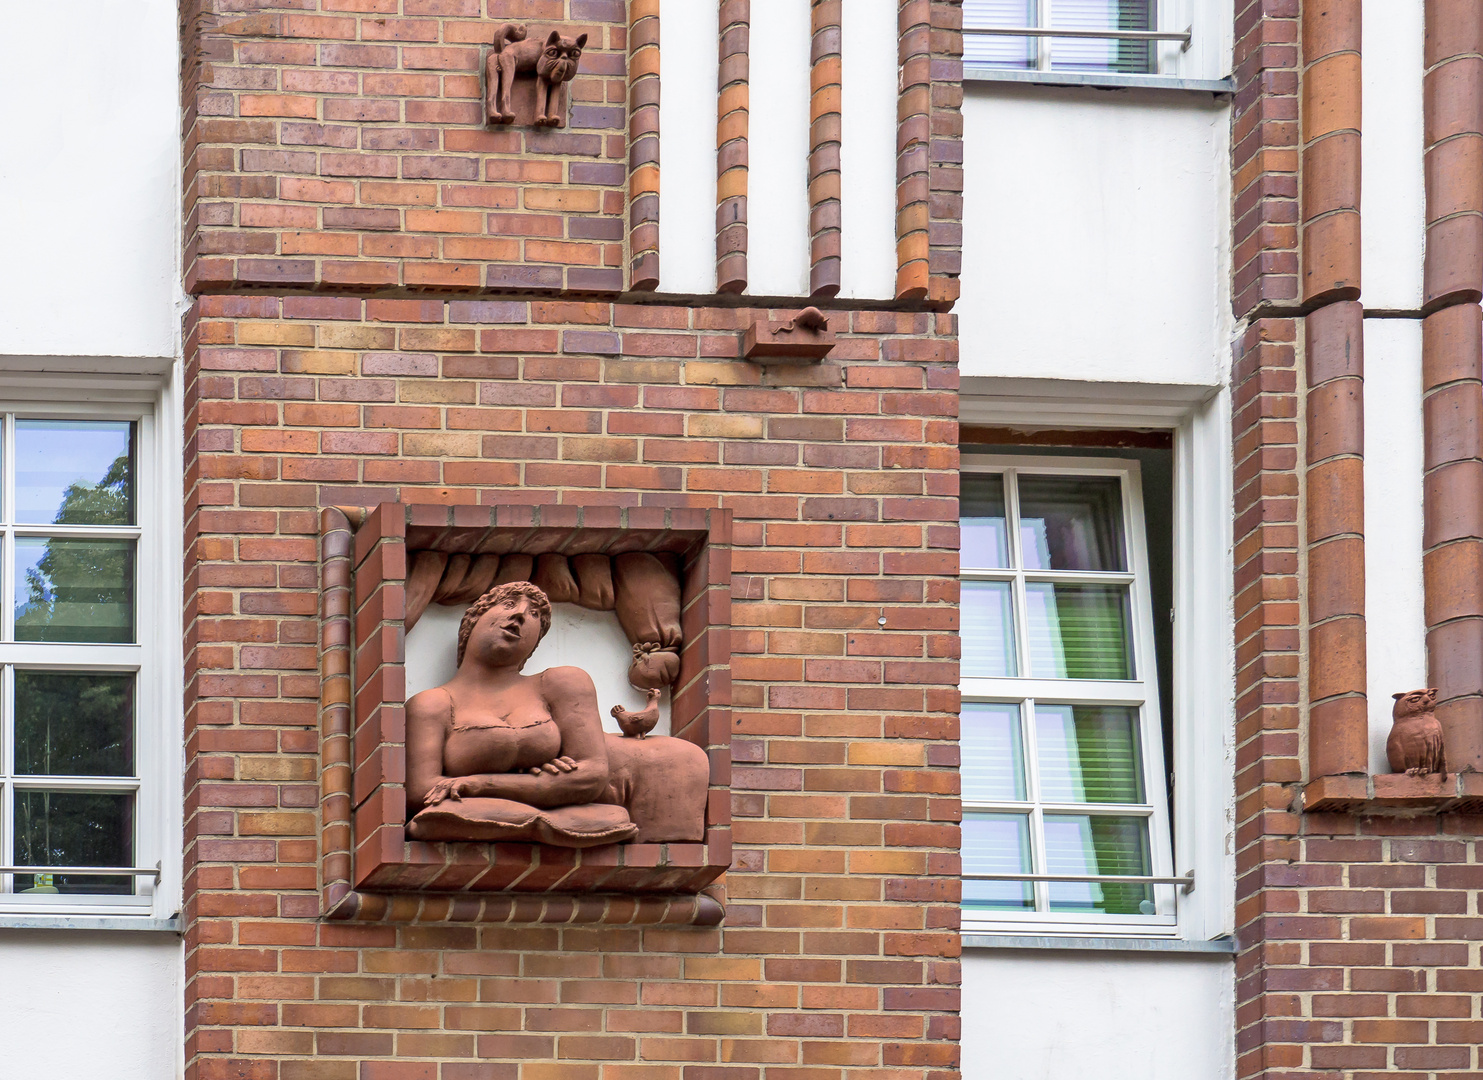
(638, 724)
(552, 62)
(805, 338)
(1415, 744)
(810, 318)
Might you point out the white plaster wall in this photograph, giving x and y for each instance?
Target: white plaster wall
(591, 640)
(777, 152)
(870, 65)
(1096, 235)
(80, 1004)
(1395, 643)
(1050, 1015)
(687, 133)
(89, 189)
(1392, 187)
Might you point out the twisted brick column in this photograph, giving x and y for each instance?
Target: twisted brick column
(643, 144)
(732, 121)
(825, 122)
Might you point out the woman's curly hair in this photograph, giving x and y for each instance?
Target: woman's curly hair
(498, 595)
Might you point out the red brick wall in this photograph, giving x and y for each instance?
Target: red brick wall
(343, 143)
(839, 949)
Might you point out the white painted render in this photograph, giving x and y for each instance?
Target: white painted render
(868, 149)
(89, 217)
(590, 640)
(1396, 625)
(1050, 1015)
(1096, 235)
(777, 151)
(687, 132)
(1392, 189)
(99, 1003)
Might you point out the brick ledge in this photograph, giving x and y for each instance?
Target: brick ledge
(1393, 793)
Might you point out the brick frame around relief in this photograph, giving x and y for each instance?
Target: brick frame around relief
(370, 868)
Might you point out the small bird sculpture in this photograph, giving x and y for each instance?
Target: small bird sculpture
(635, 725)
(1415, 744)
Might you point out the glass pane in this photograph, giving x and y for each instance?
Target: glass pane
(994, 50)
(1100, 54)
(74, 724)
(996, 844)
(993, 754)
(985, 540)
(74, 590)
(1077, 631)
(1092, 844)
(74, 472)
(1072, 523)
(1088, 753)
(988, 630)
(65, 828)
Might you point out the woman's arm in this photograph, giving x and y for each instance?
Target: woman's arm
(428, 715)
(569, 694)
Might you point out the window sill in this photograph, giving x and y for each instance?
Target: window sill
(974, 73)
(126, 923)
(1220, 946)
(1393, 793)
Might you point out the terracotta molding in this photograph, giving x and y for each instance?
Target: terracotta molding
(1453, 106)
(1331, 107)
(336, 714)
(1338, 718)
(703, 909)
(913, 150)
(732, 119)
(1452, 532)
(643, 145)
(825, 123)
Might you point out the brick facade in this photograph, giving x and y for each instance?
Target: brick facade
(838, 951)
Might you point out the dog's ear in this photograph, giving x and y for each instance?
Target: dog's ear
(553, 39)
(581, 40)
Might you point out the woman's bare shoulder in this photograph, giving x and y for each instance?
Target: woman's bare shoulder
(566, 680)
(432, 704)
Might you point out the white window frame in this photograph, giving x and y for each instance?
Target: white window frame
(1140, 693)
(1204, 652)
(1203, 56)
(152, 657)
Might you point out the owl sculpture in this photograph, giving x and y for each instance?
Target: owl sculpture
(1415, 744)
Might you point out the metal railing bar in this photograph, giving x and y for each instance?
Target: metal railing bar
(90, 871)
(1186, 881)
(1122, 35)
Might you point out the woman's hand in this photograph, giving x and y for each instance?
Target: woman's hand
(555, 767)
(449, 787)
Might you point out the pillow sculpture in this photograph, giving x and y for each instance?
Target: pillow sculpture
(496, 755)
(646, 596)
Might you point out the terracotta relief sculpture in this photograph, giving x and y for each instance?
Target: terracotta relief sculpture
(498, 755)
(1415, 744)
(552, 63)
(806, 337)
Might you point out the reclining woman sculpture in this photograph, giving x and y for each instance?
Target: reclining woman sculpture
(497, 755)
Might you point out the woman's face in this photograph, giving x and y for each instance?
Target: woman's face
(507, 633)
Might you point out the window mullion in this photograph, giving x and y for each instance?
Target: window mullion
(1043, 45)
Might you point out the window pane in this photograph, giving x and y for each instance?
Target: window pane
(74, 472)
(1077, 631)
(1072, 523)
(993, 50)
(1087, 753)
(985, 539)
(988, 630)
(1092, 844)
(996, 844)
(74, 590)
(64, 828)
(74, 724)
(993, 754)
(1098, 54)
